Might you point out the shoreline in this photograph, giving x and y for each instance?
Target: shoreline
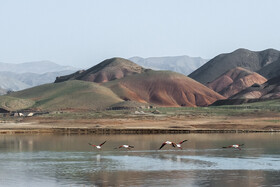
(170, 123)
(104, 131)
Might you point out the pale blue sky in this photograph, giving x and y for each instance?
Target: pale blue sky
(82, 33)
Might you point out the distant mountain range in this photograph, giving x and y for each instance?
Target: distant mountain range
(16, 77)
(14, 81)
(3, 91)
(180, 64)
(38, 67)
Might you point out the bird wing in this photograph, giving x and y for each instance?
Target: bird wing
(131, 146)
(228, 146)
(91, 144)
(182, 141)
(241, 144)
(173, 144)
(102, 143)
(162, 145)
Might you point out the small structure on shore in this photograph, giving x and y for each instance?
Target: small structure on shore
(129, 105)
(156, 112)
(30, 114)
(27, 113)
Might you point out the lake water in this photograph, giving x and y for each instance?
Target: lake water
(68, 160)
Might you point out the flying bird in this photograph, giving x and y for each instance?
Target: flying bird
(97, 146)
(179, 145)
(125, 146)
(168, 143)
(236, 146)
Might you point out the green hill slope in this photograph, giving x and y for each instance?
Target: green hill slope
(69, 95)
(12, 103)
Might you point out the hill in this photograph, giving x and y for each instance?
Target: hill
(163, 88)
(133, 83)
(69, 95)
(250, 60)
(19, 81)
(2, 91)
(110, 69)
(118, 80)
(271, 70)
(268, 90)
(8, 82)
(38, 67)
(180, 64)
(12, 104)
(235, 80)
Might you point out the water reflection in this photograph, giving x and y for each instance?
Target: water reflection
(98, 158)
(53, 160)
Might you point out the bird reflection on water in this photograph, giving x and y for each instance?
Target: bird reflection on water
(98, 158)
(56, 161)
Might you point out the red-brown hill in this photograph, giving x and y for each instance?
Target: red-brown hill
(235, 80)
(110, 69)
(268, 90)
(163, 88)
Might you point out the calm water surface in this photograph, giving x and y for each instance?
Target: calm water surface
(68, 160)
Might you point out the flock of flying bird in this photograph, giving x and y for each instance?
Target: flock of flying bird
(178, 145)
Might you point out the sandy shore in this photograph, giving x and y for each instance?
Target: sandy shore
(161, 124)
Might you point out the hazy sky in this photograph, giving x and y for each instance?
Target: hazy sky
(82, 33)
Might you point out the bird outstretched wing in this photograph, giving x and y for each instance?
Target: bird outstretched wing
(182, 141)
(91, 144)
(162, 145)
(102, 143)
(227, 146)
